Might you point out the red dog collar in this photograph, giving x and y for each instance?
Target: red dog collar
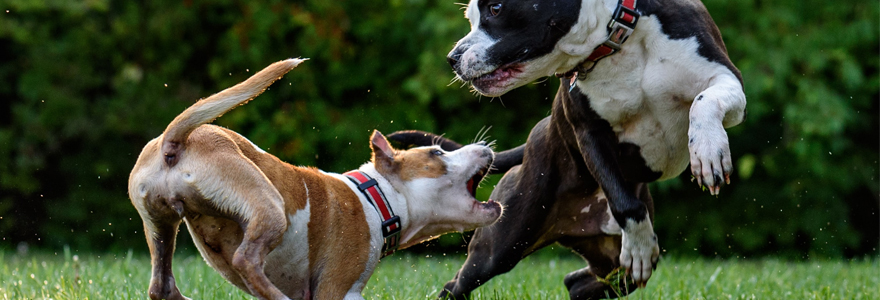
(621, 26)
(390, 222)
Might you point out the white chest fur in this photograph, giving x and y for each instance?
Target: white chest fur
(645, 92)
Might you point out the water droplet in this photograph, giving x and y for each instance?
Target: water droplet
(166, 85)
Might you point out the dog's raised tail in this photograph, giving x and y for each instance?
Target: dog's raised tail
(208, 109)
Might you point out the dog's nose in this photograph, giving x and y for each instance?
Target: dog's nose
(486, 152)
(453, 60)
(454, 57)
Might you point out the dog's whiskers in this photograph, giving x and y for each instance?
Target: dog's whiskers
(482, 135)
(436, 140)
(500, 100)
(457, 79)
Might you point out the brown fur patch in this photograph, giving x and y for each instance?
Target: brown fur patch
(339, 238)
(418, 163)
(285, 177)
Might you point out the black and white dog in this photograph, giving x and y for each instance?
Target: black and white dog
(651, 89)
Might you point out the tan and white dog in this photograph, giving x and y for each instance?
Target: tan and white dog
(279, 231)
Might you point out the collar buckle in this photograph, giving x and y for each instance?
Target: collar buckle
(391, 233)
(622, 24)
(391, 227)
(619, 33)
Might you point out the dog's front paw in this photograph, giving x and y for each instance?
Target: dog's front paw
(639, 250)
(710, 155)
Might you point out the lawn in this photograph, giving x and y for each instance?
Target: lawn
(64, 275)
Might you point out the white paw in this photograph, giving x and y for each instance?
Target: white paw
(710, 154)
(639, 250)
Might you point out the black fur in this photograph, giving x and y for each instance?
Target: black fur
(525, 29)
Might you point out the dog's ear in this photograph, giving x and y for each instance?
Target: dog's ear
(383, 154)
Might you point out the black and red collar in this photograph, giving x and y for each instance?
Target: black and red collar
(390, 222)
(621, 26)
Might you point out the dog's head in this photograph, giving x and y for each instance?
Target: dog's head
(514, 42)
(439, 186)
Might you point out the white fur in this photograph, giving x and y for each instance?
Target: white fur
(720, 106)
(291, 256)
(586, 209)
(639, 249)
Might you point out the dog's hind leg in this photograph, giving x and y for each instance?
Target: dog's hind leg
(161, 231)
(238, 190)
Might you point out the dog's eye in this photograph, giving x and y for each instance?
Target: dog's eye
(495, 9)
(437, 152)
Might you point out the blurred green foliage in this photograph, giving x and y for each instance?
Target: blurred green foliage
(85, 84)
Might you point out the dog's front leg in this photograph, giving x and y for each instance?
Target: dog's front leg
(720, 106)
(161, 238)
(597, 145)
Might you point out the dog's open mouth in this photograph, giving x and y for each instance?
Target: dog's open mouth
(499, 75)
(474, 182)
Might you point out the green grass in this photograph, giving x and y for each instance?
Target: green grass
(407, 276)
